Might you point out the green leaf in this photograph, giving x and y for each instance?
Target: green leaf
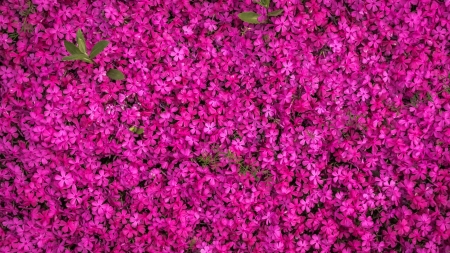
(249, 17)
(275, 13)
(81, 41)
(87, 60)
(74, 57)
(71, 48)
(98, 48)
(140, 131)
(265, 3)
(115, 74)
(260, 3)
(136, 130)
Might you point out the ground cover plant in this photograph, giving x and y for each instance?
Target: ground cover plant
(324, 129)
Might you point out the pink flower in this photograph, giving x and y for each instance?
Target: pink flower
(4, 41)
(363, 94)
(177, 54)
(64, 180)
(402, 227)
(209, 127)
(315, 177)
(443, 223)
(315, 242)
(366, 222)
(74, 196)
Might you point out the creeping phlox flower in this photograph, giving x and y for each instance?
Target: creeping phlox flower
(326, 129)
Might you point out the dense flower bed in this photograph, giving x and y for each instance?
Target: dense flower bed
(325, 130)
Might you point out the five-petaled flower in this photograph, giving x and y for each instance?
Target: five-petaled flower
(64, 179)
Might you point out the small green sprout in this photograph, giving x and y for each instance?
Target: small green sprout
(252, 17)
(80, 53)
(136, 130)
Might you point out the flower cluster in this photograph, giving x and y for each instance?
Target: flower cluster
(325, 130)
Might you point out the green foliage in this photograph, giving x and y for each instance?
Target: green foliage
(249, 17)
(26, 27)
(211, 160)
(206, 160)
(80, 53)
(264, 3)
(136, 130)
(98, 48)
(275, 13)
(29, 9)
(414, 100)
(71, 48)
(115, 74)
(447, 89)
(192, 243)
(77, 51)
(243, 169)
(429, 97)
(81, 41)
(252, 17)
(74, 57)
(13, 35)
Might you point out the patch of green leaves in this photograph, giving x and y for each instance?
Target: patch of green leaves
(80, 53)
(414, 100)
(136, 130)
(275, 13)
(13, 35)
(252, 17)
(26, 27)
(264, 3)
(243, 169)
(447, 89)
(115, 74)
(206, 160)
(192, 243)
(74, 57)
(30, 9)
(71, 48)
(98, 48)
(249, 17)
(81, 41)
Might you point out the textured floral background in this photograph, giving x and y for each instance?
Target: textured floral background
(325, 130)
